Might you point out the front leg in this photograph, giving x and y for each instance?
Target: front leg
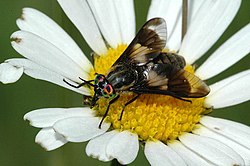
(80, 85)
(107, 110)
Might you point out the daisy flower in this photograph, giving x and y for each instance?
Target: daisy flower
(172, 131)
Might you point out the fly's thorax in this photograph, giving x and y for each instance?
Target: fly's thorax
(122, 77)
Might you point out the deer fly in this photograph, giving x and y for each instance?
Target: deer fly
(143, 68)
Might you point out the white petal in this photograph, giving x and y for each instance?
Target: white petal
(167, 9)
(187, 155)
(218, 85)
(228, 54)
(212, 150)
(47, 55)
(124, 146)
(223, 93)
(174, 40)
(97, 146)
(159, 154)
(9, 73)
(46, 117)
(39, 72)
(211, 20)
(170, 10)
(235, 131)
(126, 16)
(49, 139)
(241, 150)
(38, 23)
(107, 20)
(80, 14)
(193, 8)
(80, 129)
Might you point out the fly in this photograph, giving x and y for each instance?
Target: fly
(143, 68)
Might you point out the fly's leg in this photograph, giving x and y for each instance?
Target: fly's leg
(186, 100)
(107, 109)
(80, 85)
(87, 82)
(180, 98)
(129, 102)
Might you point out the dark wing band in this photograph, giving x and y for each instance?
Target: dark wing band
(147, 44)
(168, 80)
(186, 84)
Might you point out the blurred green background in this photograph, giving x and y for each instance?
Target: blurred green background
(17, 145)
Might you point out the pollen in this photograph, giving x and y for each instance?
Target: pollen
(151, 116)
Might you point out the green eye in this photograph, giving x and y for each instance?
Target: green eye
(99, 78)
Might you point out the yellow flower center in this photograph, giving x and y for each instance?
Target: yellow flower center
(151, 116)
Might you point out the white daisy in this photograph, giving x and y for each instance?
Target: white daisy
(174, 132)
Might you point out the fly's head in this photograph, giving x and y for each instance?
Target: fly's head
(102, 88)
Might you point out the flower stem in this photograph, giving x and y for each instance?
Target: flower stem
(184, 18)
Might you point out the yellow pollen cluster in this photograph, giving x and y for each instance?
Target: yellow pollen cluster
(151, 116)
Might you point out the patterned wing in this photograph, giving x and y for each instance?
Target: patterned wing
(170, 80)
(147, 44)
(186, 84)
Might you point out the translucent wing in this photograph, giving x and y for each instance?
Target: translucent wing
(147, 44)
(170, 80)
(186, 84)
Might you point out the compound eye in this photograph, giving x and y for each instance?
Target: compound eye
(108, 89)
(100, 78)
